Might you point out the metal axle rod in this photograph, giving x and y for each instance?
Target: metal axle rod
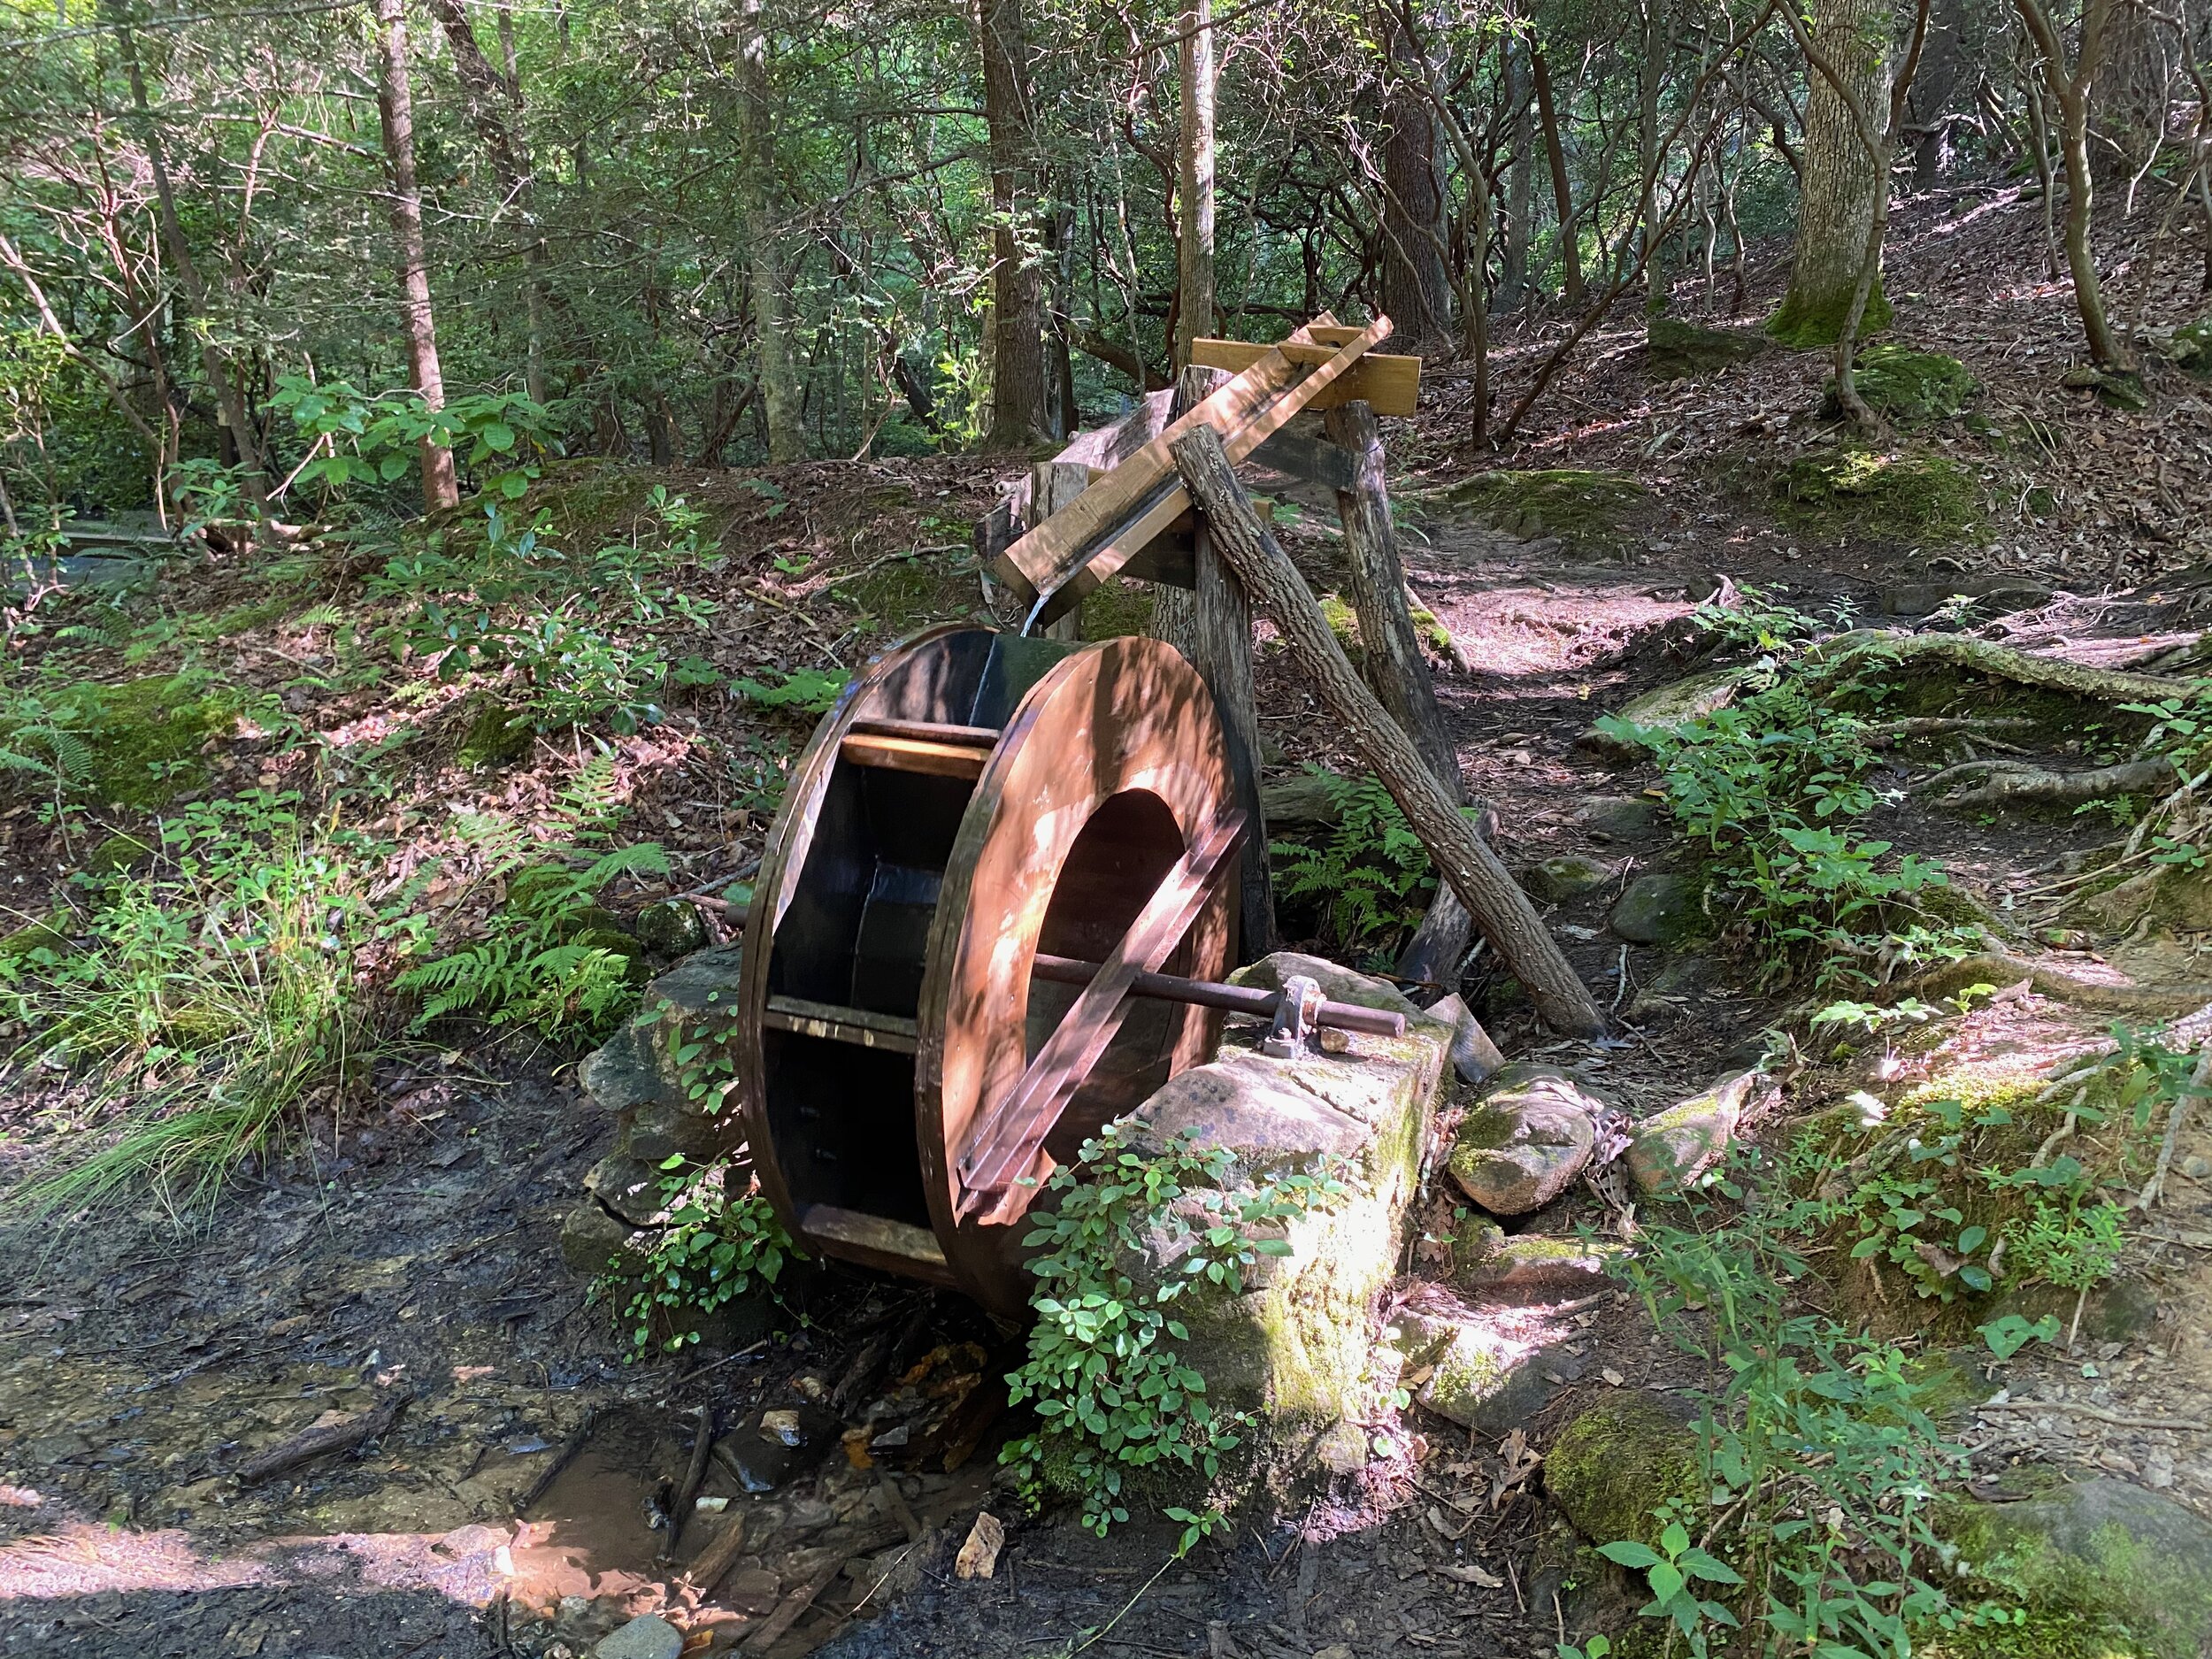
(1169, 988)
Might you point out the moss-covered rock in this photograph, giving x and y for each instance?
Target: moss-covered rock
(1659, 908)
(1344, 622)
(1679, 350)
(1299, 1343)
(2116, 388)
(493, 736)
(1593, 510)
(1617, 1463)
(2100, 1555)
(1672, 1150)
(1530, 1133)
(1669, 708)
(1569, 876)
(1806, 318)
(1903, 496)
(2191, 347)
(1910, 387)
(135, 744)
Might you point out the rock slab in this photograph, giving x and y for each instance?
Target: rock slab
(1670, 1151)
(645, 1637)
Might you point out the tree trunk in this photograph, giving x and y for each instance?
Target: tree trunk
(2128, 95)
(1520, 179)
(440, 491)
(1195, 187)
(487, 89)
(1503, 912)
(782, 398)
(1562, 187)
(1017, 354)
(1651, 81)
(213, 364)
(1841, 179)
(1417, 289)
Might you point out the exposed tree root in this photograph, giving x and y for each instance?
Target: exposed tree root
(1999, 969)
(2006, 784)
(1978, 725)
(1981, 656)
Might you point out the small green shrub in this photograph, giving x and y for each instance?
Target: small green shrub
(546, 959)
(1370, 880)
(715, 1248)
(807, 691)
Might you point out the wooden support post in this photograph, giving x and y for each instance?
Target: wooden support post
(1394, 668)
(1499, 906)
(1052, 485)
(1211, 625)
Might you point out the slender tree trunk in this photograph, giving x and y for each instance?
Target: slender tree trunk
(1520, 179)
(1651, 80)
(1562, 187)
(395, 104)
(1195, 187)
(1841, 178)
(2128, 97)
(229, 405)
(1017, 356)
(1417, 289)
(782, 396)
(487, 90)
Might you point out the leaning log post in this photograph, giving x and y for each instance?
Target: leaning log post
(1212, 626)
(1395, 669)
(1499, 906)
(1052, 485)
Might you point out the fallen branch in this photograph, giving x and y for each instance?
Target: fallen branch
(309, 1444)
(720, 1555)
(1488, 888)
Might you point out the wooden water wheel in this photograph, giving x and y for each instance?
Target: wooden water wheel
(988, 846)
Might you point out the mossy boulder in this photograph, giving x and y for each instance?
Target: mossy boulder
(1617, 1463)
(2191, 347)
(1902, 496)
(1910, 387)
(138, 743)
(1593, 510)
(1659, 908)
(1679, 350)
(1569, 876)
(1475, 1371)
(2100, 1555)
(1672, 1150)
(1298, 1343)
(493, 736)
(1530, 1133)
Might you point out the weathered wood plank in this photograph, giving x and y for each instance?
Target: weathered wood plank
(1500, 908)
(1075, 550)
(910, 753)
(1388, 384)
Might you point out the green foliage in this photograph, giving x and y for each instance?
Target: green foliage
(216, 993)
(2069, 1244)
(1910, 387)
(1821, 1462)
(1371, 879)
(2008, 1334)
(1766, 787)
(135, 743)
(1759, 622)
(1116, 1397)
(543, 962)
(713, 1248)
(496, 438)
(576, 639)
(807, 691)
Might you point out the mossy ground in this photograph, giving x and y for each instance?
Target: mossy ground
(1592, 510)
(1116, 607)
(144, 737)
(1676, 350)
(1906, 496)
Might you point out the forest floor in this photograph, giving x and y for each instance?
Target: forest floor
(411, 1247)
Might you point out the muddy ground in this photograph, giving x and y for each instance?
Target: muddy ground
(412, 1251)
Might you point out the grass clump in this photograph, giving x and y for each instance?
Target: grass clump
(1901, 496)
(213, 997)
